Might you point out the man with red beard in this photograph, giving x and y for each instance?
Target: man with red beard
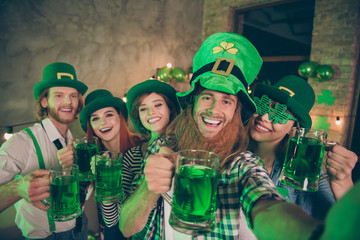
(24, 173)
(215, 110)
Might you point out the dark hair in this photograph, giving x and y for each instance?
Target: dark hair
(127, 139)
(42, 113)
(135, 112)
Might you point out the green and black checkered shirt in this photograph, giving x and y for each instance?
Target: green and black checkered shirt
(242, 183)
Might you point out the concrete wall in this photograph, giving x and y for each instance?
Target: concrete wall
(335, 42)
(112, 44)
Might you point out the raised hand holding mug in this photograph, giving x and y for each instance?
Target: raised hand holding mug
(304, 158)
(195, 188)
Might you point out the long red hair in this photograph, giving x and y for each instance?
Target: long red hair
(127, 139)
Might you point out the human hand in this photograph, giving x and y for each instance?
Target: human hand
(66, 154)
(34, 187)
(159, 170)
(339, 164)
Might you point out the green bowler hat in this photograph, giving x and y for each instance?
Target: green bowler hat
(225, 62)
(150, 86)
(98, 99)
(59, 74)
(295, 93)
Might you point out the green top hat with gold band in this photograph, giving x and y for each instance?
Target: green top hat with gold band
(150, 86)
(225, 62)
(98, 99)
(294, 92)
(59, 74)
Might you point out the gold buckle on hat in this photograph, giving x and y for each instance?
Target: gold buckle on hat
(60, 74)
(228, 70)
(288, 90)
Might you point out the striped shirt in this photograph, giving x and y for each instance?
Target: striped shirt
(131, 167)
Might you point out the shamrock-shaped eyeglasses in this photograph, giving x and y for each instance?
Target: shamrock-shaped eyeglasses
(276, 114)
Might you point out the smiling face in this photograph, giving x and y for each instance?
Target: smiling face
(62, 104)
(264, 130)
(105, 123)
(212, 111)
(154, 114)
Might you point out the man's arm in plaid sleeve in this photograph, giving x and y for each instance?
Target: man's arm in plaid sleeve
(275, 219)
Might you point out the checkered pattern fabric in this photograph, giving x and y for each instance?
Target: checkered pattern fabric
(243, 182)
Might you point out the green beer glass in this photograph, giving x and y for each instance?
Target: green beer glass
(108, 182)
(195, 188)
(84, 150)
(64, 192)
(304, 159)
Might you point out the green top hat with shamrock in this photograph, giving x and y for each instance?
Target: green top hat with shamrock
(59, 74)
(98, 99)
(294, 92)
(150, 86)
(225, 62)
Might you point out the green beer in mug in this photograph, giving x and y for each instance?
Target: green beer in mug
(64, 192)
(195, 193)
(304, 158)
(108, 183)
(195, 188)
(85, 149)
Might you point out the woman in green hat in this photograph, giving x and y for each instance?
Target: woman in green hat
(105, 116)
(152, 105)
(269, 136)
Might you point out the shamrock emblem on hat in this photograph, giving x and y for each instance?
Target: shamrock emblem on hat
(225, 47)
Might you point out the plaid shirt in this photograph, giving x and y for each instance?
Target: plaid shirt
(242, 183)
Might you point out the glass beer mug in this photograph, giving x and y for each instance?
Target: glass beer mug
(84, 150)
(64, 192)
(304, 158)
(195, 187)
(108, 172)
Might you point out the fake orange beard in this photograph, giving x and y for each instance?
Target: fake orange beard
(232, 138)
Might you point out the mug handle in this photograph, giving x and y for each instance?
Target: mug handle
(328, 147)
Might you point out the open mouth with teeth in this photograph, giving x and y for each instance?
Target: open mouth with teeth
(261, 128)
(104, 130)
(211, 122)
(153, 120)
(66, 109)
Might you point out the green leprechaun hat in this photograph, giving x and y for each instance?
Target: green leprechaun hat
(225, 62)
(59, 74)
(294, 92)
(150, 86)
(98, 99)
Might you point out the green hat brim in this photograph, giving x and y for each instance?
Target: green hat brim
(40, 86)
(99, 103)
(282, 97)
(220, 83)
(150, 86)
